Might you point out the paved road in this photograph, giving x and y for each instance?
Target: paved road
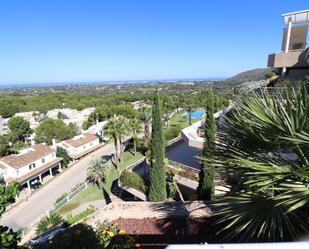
(42, 201)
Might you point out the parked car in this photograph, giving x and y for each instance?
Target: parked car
(44, 237)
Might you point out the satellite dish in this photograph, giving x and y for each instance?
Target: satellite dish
(307, 55)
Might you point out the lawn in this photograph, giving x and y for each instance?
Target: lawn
(178, 120)
(92, 192)
(176, 124)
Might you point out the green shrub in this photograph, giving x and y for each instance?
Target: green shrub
(77, 236)
(270, 74)
(172, 132)
(133, 180)
(73, 219)
(140, 146)
(60, 152)
(170, 186)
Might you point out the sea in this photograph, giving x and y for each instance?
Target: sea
(55, 84)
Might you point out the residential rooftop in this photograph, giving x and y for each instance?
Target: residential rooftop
(80, 140)
(26, 156)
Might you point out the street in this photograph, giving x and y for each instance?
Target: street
(42, 200)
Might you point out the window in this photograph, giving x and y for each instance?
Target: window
(31, 166)
(53, 155)
(43, 160)
(17, 172)
(90, 144)
(84, 147)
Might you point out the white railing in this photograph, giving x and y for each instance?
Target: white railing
(69, 196)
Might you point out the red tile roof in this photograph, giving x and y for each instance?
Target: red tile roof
(81, 140)
(32, 154)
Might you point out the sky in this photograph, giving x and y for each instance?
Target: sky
(114, 40)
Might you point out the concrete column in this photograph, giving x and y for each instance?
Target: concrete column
(60, 169)
(288, 36)
(28, 185)
(51, 172)
(40, 178)
(287, 43)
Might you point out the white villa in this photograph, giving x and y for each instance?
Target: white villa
(81, 145)
(70, 115)
(32, 117)
(29, 165)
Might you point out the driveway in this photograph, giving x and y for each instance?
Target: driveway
(41, 201)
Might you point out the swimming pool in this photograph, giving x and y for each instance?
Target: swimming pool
(197, 114)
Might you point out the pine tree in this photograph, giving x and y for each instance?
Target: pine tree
(205, 189)
(157, 191)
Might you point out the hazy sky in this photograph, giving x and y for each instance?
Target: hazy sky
(93, 40)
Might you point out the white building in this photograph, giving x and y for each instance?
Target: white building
(97, 129)
(81, 145)
(33, 118)
(3, 125)
(71, 115)
(29, 164)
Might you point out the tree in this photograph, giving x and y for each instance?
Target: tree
(146, 118)
(189, 107)
(19, 127)
(60, 152)
(48, 222)
(54, 128)
(269, 199)
(157, 191)
(134, 128)
(116, 128)
(4, 145)
(98, 173)
(8, 238)
(205, 189)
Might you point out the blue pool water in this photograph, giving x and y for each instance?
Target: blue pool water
(197, 114)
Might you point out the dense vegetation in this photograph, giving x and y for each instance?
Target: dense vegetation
(264, 148)
(8, 238)
(50, 129)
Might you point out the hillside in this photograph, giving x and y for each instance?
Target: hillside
(251, 75)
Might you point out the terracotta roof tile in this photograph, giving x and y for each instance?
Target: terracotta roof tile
(32, 154)
(81, 140)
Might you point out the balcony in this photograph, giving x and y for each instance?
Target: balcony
(294, 58)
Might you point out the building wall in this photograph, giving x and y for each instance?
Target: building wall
(14, 173)
(75, 151)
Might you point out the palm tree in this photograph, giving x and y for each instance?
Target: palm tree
(48, 222)
(146, 118)
(257, 144)
(134, 128)
(116, 128)
(98, 172)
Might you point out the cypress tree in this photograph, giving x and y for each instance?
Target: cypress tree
(157, 190)
(206, 187)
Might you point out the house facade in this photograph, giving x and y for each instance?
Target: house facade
(29, 164)
(81, 145)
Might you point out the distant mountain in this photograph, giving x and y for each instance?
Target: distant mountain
(251, 75)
